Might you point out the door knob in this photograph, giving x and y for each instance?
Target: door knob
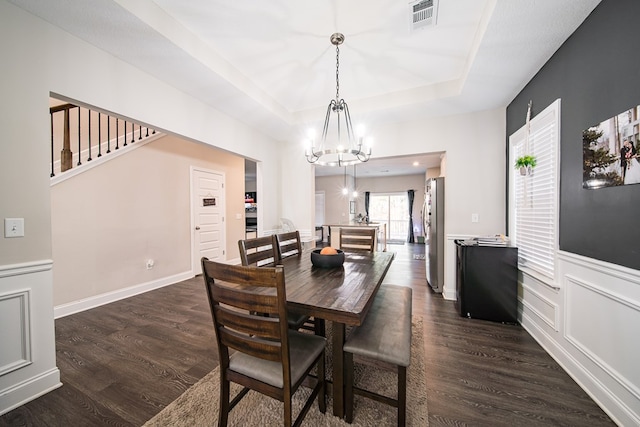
(197, 227)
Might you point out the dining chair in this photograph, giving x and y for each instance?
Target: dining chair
(264, 252)
(289, 245)
(269, 357)
(358, 239)
(259, 251)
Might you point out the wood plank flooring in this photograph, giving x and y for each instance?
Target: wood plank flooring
(123, 362)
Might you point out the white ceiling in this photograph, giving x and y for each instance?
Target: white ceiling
(271, 65)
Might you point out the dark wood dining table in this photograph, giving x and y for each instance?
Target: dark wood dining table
(341, 295)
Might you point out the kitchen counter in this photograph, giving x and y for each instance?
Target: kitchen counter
(381, 235)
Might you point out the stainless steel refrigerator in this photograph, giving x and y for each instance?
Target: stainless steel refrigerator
(434, 226)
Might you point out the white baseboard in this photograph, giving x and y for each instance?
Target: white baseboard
(26, 391)
(109, 297)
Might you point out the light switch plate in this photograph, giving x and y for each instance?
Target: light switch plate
(14, 227)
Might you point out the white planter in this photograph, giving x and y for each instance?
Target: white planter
(525, 170)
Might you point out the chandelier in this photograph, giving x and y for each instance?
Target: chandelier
(348, 149)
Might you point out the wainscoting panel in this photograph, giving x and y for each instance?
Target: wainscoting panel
(540, 306)
(589, 326)
(15, 334)
(27, 335)
(611, 316)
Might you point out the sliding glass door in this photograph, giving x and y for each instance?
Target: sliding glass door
(391, 209)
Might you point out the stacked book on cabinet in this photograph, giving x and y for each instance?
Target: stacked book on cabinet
(497, 240)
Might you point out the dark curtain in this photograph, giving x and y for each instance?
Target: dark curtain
(411, 193)
(366, 204)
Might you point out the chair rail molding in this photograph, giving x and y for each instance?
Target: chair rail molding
(25, 268)
(613, 270)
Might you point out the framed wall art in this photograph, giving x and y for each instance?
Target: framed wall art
(609, 151)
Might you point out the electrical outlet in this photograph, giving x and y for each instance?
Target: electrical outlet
(475, 217)
(14, 227)
(150, 264)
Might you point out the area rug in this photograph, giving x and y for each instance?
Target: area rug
(198, 406)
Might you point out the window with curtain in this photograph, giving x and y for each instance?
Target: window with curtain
(534, 197)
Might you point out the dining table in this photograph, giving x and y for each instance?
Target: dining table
(341, 295)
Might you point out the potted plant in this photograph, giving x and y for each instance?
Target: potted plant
(525, 163)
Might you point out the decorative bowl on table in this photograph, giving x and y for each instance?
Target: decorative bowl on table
(327, 257)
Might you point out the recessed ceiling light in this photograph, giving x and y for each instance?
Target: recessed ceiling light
(416, 164)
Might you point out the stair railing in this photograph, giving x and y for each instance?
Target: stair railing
(62, 156)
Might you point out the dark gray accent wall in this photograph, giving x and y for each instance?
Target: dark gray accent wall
(596, 74)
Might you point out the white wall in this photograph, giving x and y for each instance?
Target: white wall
(474, 172)
(107, 221)
(475, 169)
(595, 301)
(336, 205)
(297, 180)
(475, 164)
(37, 60)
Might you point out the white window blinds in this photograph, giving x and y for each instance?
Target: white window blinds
(534, 197)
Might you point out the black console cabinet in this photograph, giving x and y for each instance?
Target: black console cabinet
(487, 282)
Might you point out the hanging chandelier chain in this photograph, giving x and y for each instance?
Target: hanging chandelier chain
(337, 74)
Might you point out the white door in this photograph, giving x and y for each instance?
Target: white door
(207, 217)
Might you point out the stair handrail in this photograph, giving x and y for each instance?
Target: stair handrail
(85, 139)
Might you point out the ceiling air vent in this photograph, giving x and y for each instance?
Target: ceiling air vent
(423, 13)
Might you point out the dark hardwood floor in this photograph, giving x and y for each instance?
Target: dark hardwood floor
(123, 362)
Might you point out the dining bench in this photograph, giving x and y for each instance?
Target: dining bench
(384, 336)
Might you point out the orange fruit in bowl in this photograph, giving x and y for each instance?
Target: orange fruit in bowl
(328, 251)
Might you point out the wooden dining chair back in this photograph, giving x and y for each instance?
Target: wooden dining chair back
(358, 239)
(264, 252)
(259, 252)
(269, 357)
(289, 244)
